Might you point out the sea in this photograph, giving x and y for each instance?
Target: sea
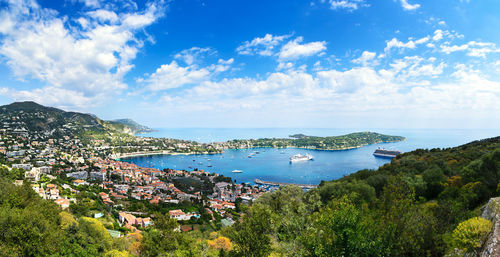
(271, 164)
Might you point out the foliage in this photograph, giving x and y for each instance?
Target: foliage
(470, 234)
(221, 243)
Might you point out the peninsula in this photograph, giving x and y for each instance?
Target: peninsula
(343, 142)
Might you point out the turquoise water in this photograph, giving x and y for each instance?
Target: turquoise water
(273, 165)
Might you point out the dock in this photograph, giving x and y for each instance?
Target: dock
(269, 183)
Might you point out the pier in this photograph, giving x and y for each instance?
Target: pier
(269, 183)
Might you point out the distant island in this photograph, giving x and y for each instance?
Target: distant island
(343, 142)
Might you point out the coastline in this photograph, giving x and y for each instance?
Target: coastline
(118, 157)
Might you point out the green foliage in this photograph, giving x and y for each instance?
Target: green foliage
(339, 229)
(252, 235)
(29, 225)
(470, 234)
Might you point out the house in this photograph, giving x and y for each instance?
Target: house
(64, 203)
(127, 218)
(180, 215)
(146, 222)
(177, 214)
(78, 182)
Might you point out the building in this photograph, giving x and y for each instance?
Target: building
(24, 166)
(33, 174)
(64, 203)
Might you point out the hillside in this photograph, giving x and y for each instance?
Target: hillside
(37, 118)
(134, 126)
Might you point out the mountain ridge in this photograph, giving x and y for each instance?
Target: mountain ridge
(45, 118)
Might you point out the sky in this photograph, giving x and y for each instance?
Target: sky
(245, 64)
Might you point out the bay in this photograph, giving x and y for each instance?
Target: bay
(273, 164)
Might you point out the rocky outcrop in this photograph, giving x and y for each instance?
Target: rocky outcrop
(492, 212)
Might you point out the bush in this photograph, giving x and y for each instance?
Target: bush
(470, 234)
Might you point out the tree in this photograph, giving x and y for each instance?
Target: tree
(95, 234)
(221, 243)
(251, 235)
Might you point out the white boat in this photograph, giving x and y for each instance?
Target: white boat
(300, 157)
(237, 171)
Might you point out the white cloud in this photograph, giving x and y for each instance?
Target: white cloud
(366, 58)
(347, 4)
(191, 55)
(91, 3)
(394, 43)
(438, 35)
(89, 62)
(169, 76)
(407, 6)
(293, 49)
(104, 15)
(264, 46)
(53, 96)
(362, 91)
(172, 75)
(473, 48)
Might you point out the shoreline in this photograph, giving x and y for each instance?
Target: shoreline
(140, 154)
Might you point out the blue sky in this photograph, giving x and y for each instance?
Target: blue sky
(225, 63)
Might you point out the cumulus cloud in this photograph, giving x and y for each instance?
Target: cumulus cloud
(264, 46)
(91, 60)
(172, 75)
(395, 43)
(169, 76)
(473, 48)
(358, 90)
(409, 7)
(366, 58)
(294, 49)
(350, 5)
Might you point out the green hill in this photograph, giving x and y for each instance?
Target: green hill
(37, 118)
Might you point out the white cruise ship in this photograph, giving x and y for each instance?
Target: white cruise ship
(300, 157)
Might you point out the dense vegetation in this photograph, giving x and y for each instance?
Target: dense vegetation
(353, 140)
(424, 203)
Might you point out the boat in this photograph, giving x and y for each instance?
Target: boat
(299, 157)
(237, 171)
(209, 165)
(384, 153)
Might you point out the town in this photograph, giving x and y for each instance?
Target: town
(86, 177)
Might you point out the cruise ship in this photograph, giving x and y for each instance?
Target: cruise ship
(300, 157)
(237, 171)
(381, 152)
